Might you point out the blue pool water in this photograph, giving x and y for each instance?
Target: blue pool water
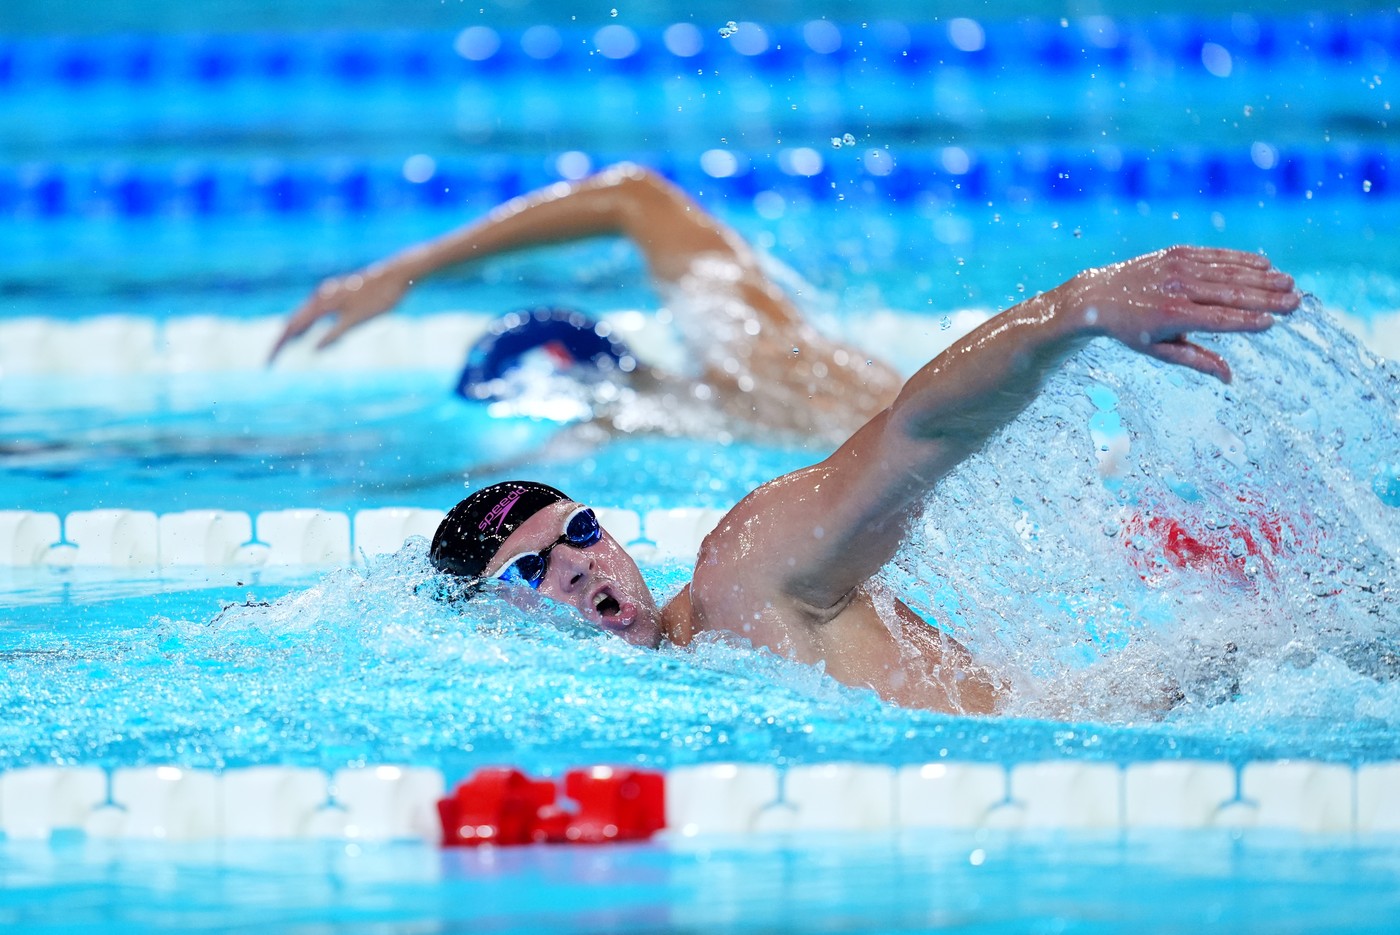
(160, 174)
(983, 882)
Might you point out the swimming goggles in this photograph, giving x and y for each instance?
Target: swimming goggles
(581, 530)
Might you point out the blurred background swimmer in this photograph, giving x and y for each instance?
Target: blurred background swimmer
(759, 368)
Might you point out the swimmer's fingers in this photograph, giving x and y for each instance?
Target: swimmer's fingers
(1220, 256)
(1247, 291)
(1225, 317)
(352, 299)
(321, 303)
(1272, 281)
(1186, 354)
(343, 323)
(363, 295)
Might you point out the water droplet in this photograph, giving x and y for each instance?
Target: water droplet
(849, 139)
(836, 142)
(614, 11)
(728, 29)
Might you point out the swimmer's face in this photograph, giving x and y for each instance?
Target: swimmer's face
(600, 581)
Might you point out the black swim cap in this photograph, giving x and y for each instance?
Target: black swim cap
(474, 529)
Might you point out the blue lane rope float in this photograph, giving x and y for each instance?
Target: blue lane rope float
(58, 190)
(357, 58)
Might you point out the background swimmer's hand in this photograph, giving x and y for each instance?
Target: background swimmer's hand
(1151, 303)
(353, 299)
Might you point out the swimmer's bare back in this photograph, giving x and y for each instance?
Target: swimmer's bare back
(757, 359)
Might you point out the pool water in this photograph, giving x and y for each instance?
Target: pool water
(160, 175)
(1247, 883)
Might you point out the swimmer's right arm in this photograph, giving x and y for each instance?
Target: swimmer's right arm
(830, 527)
(666, 225)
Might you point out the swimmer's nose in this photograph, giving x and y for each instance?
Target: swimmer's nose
(575, 567)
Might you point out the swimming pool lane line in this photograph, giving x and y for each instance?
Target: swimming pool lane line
(393, 802)
(968, 175)
(297, 538)
(357, 59)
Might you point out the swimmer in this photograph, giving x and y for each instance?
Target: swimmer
(759, 366)
(790, 567)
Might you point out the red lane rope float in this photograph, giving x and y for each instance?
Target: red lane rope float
(501, 805)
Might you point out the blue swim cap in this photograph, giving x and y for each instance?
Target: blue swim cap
(570, 339)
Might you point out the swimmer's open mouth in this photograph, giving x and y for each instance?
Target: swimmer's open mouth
(612, 611)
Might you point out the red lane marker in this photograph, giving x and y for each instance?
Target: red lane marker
(615, 804)
(500, 805)
(496, 805)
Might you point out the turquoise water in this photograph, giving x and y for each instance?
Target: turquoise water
(1248, 883)
(1040, 553)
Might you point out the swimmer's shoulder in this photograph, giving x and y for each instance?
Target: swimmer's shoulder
(740, 580)
(708, 599)
(678, 618)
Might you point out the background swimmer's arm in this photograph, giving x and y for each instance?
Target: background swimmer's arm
(826, 529)
(668, 227)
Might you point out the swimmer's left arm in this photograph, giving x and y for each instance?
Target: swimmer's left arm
(842, 520)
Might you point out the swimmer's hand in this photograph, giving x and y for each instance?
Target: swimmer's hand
(1152, 302)
(352, 300)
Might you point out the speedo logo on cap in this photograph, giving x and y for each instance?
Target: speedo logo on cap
(497, 516)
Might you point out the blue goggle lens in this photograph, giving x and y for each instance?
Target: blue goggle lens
(580, 531)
